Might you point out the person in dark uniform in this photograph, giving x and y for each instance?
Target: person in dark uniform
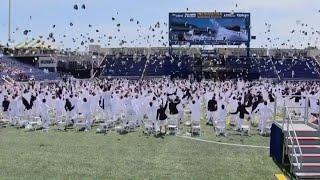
(241, 110)
(212, 110)
(162, 117)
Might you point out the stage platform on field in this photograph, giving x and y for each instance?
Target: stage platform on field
(298, 127)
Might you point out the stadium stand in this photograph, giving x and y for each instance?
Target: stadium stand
(124, 66)
(129, 65)
(181, 66)
(22, 71)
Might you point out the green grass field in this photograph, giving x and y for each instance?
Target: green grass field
(80, 155)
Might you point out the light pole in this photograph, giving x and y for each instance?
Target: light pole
(9, 23)
(93, 57)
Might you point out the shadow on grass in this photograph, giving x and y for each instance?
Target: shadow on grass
(285, 169)
(160, 136)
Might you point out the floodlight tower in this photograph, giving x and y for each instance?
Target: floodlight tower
(9, 23)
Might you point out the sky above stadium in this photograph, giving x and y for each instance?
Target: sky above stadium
(276, 23)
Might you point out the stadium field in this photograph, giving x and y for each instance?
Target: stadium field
(87, 155)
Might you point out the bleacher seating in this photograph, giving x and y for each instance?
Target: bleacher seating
(181, 66)
(268, 67)
(153, 65)
(303, 68)
(124, 66)
(15, 69)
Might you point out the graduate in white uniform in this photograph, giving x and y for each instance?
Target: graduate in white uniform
(152, 114)
(86, 111)
(221, 124)
(59, 111)
(195, 109)
(180, 111)
(44, 114)
(106, 100)
(314, 103)
(265, 113)
(138, 108)
(14, 109)
(130, 113)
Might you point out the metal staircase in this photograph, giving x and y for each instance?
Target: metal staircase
(302, 148)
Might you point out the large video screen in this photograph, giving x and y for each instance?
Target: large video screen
(206, 28)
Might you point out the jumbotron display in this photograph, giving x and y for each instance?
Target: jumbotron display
(209, 28)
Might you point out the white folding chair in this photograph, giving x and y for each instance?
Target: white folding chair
(4, 119)
(245, 128)
(23, 120)
(220, 127)
(98, 116)
(195, 128)
(232, 120)
(172, 126)
(267, 128)
(79, 122)
(131, 123)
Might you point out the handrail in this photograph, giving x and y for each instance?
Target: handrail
(6, 79)
(275, 69)
(144, 69)
(318, 63)
(145, 65)
(292, 138)
(99, 64)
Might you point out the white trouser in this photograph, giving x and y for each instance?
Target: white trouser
(271, 106)
(239, 122)
(253, 118)
(181, 116)
(140, 118)
(88, 121)
(221, 126)
(45, 120)
(107, 113)
(262, 124)
(232, 119)
(69, 117)
(212, 116)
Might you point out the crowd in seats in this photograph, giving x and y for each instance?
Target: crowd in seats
(124, 65)
(178, 66)
(282, 68)
(21, 71)
(153, 65)
(302, 68)
(182, 66)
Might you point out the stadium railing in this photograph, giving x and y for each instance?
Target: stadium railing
(291, 135)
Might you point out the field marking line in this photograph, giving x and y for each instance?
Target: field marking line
(221, 143)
